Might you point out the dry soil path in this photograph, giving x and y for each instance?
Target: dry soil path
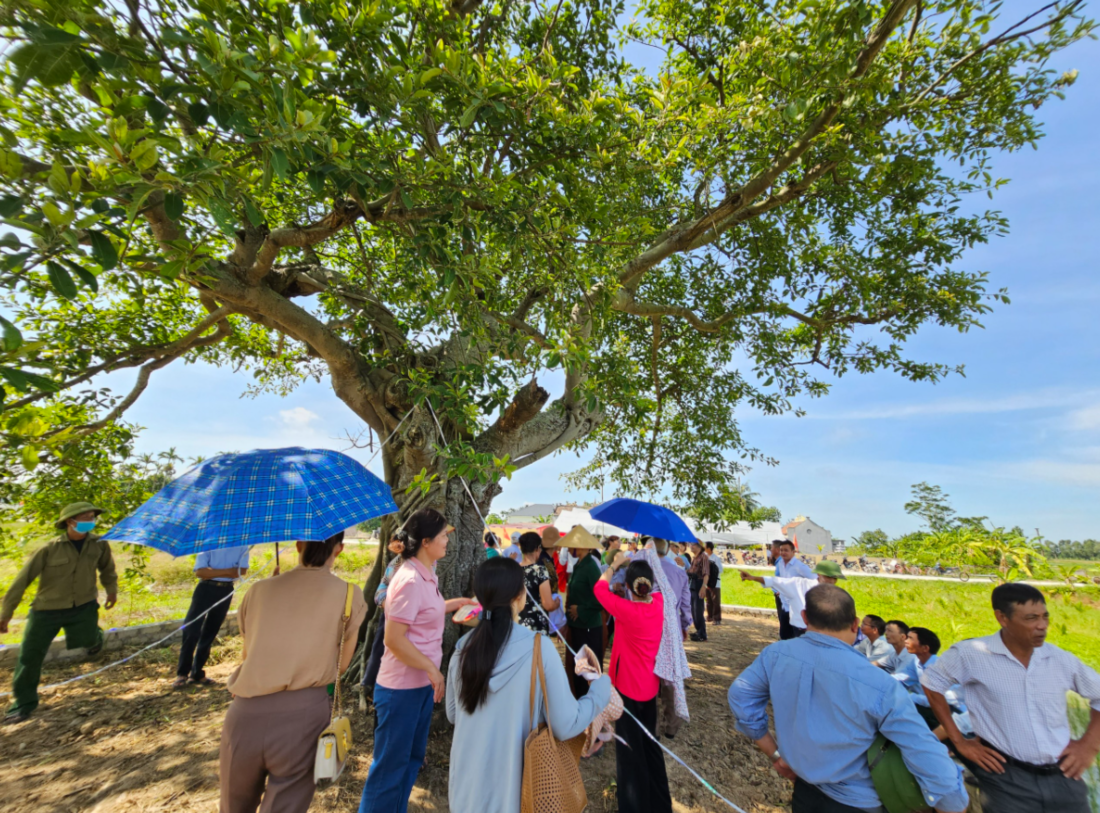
(124, 741)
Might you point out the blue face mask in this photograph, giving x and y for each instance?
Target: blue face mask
(85, 527)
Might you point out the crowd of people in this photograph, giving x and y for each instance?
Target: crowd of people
(996, 704)
(835, 682)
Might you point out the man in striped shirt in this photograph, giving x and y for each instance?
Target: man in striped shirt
(1023, 757)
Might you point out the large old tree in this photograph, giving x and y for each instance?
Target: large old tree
(454, 202)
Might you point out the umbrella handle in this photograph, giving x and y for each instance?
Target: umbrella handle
(276, 554)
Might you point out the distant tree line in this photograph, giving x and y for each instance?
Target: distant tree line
(1069, 549)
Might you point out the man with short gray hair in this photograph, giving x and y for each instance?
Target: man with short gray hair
(829, 706)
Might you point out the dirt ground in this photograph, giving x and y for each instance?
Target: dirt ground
(124, 741)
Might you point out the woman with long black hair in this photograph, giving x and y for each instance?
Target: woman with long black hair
(488, 696)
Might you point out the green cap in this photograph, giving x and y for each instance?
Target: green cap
(895, 786)
(827, 567)
(72, 510)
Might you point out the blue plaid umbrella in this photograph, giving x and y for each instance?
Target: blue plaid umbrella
(267, 495)
(643, 518)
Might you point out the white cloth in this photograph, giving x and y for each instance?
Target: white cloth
(797, 568)
(671, 664)
(513, 552)
(880, 650)
(1020, 710)
(793, 593)
(568, 559)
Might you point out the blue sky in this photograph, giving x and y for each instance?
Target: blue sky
(1017, 439)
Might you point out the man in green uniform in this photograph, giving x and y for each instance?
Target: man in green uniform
(66, 600)
(584, 611)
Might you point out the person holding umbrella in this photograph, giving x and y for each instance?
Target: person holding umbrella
(409, 680)
(66, 600)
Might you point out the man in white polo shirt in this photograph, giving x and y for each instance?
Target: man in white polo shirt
(1016, 684)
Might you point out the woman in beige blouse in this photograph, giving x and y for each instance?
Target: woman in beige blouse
(291, 628)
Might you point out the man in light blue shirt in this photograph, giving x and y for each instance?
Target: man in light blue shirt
(217, 570)
(923, 645)
(829, 705)
(901, 659)
(874, 646)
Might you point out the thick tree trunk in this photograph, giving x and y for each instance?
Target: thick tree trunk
(406, 456)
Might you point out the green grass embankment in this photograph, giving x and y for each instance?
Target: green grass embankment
(953, 610)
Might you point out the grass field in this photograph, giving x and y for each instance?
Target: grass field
(953, 610)
(168, 595)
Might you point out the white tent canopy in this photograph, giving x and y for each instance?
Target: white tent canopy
(567, 520)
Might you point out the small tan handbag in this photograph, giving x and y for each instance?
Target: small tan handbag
(335, 741)
(551, 769)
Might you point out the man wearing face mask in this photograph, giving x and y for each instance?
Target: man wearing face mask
(67, 599)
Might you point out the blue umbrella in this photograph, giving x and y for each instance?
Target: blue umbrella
(266, 495)
(643, 518)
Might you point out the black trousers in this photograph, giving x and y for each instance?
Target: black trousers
(698, 610)
(374, 657)
(199, 636)
(640, 763)
(1020, 791)
(578, 637)
(809, 799)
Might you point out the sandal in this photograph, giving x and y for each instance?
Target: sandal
(179, 683)
(203, 681)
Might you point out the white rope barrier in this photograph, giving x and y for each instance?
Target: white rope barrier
(557, 631)
(199, 617)
(153, 645)
(485, 525)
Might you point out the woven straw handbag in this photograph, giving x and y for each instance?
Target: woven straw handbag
(551, 769)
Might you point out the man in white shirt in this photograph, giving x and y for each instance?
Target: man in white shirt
(512, 551)
(874, 645)
(1023, 756)
(786, 567)
(794, 590)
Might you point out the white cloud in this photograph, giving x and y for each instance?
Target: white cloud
(298, 417)
(1056, 471)
(1086, 418)
(1019, 402)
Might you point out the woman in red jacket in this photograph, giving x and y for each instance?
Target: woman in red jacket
(639, 620)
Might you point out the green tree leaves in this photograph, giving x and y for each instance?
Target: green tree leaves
(103, 250)
(51, 58)
(60, 279)
(433, 204)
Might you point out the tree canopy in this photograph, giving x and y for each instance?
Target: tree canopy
(443, 202)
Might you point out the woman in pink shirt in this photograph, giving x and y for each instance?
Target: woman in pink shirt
(409, 680)
(639, 622)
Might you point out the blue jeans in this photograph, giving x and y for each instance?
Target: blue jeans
(400, 743)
